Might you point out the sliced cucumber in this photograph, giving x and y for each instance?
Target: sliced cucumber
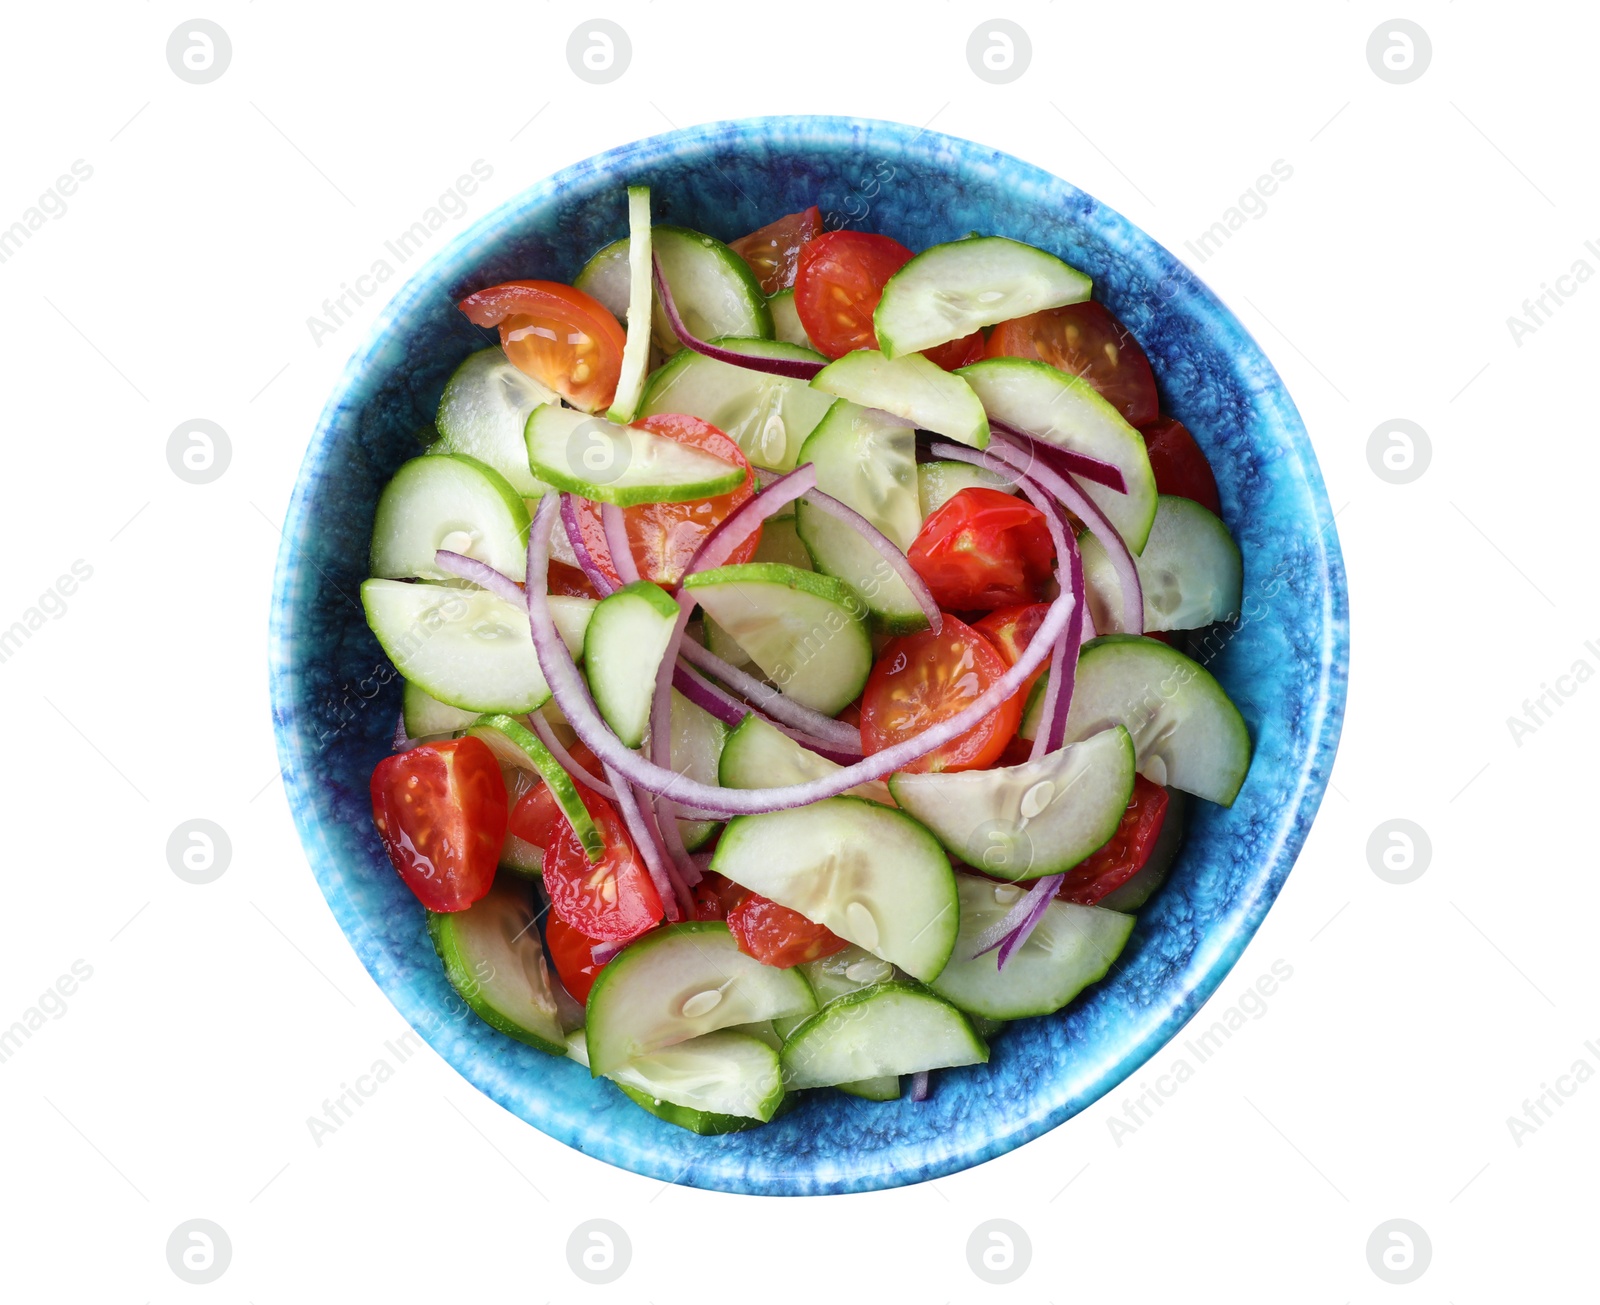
(1139, 890)
(870, 873)
(764, 1031)
(1070, 948)
(1191, 571)
(986, 1027)
(636, 351)
(767, 416)
(1186, 732)
(649, 1083)
(679, 982)
(951, 290)
(848, 970)
(781, 543)
(514, 744)
(910, 387)
(1067, 411)
(493, 957)
(867, 460)
(721, 642)
(889, 1028)
(884, 1088)
(802, 629)
(425, 715)
(1030, 820)
(760, 755)
(520, 857)
(786, 321)
(483, 412)
(623, 465)
(697, 739)
(939, 482)
(448, 501)
(622, 653)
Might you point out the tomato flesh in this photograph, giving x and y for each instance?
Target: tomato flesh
(777, 936)
(715, 895)
(1011, 630)
(1180, 467)
(572, 953)
(535, 813)
(568, 581)
(982, 550)
(923, 679)
(837, 284)
(773, 251)
(1085, 340)
(956, 353)
(440, 810)
(558, 335)
(611, 900)
(1105, 871)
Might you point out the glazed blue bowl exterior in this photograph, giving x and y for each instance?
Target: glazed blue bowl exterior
(335, 699)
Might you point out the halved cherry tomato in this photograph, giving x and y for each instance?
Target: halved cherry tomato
(982, 550)
(1085, 340)
(837, 284)
(1105, 871)
(558, 335)
(715, 895)
(1179, 465)
(568, 581)
(440, 810)
(664, 536)
(572, 953)
(777, 936)
(774, 250)
(613, 899)
(925, 678)
(956, 353)
(535, 813)
(1011, 630)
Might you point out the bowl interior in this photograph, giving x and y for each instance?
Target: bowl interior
(335, 697)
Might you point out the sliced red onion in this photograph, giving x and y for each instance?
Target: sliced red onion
(1043, 893)
(886, 548)
(797, 368)
(402, 740)
(919, 1085)
(731, 712)
(569, 763)
(481, 574)
(1081, 464)
(773, 702)
(617, 542)
(1024, 914)
(740, 524)
(646, 839)
(586, 563)
(666, 811)
(1064, 656)
(605, 952)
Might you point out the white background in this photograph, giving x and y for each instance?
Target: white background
(177, 284)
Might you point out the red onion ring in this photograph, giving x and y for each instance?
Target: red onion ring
(586, 563)
(919, 1085)
(717, 547)
(1081, 464)
(774, 702)
(646, 839)
(558, 750)
(1019, 920)
(731, 712)
(481, 574)
(886, 548)
(605, 952)
(617, 545)
(799, 369)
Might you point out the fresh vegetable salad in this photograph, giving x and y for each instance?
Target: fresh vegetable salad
(793, 644)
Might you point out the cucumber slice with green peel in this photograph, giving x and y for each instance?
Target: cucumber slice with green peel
(953, 289)
(623, 465)
(1030, 820)
(425, 716)
(493, 957)
(912, 388)
(781, 543)
(767, 416)
(886, 1088)
(1068, 412)
(1142, 887)
(622, 652)
(1191, 571)
(758, 754)
(804, 630)
(1070, 948)
(1186, 731)
(697, 739)
(848, 970)
(636, 349)
(722, 644)
(515, 744)
(939, 482)
(889, 1028)
(520, 857)
(483, 412)
(985, 1026)
(679, 982)
(448, 501)
(786, 319)
(871, 874)
(653, 1081)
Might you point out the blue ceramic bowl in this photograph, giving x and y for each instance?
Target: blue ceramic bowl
(335, 698)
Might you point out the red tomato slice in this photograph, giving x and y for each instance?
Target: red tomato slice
(956, 353)
(925, 678)
(535, 813)
(715, 895)
(1103, 872)
(837, 285)
(1180, 467)
(1085, 340)
(1011, 630)
(664, 536)
(777, 936)
(568, 581)
(572, 953)
(774, 251)
(982, 550)
(440, 810)
(558, 335)
(613, 899)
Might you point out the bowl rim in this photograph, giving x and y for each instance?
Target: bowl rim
(1226, 937)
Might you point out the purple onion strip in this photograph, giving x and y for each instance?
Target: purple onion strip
(731, 712)
(1022, 912)
(1081, 464)
(796, 368)
(603, 953)
(886, 548)
(547, 736)
(586, 563)
(919, 1085)
(481, 574)
(621, 551)
(773, 702)
(647, 840)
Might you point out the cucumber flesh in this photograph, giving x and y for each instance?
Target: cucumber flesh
(889, 1028)
(848, 970)
(757, 754)
(885, 1088)
(514, 744)
(649, 1084)
(939, 482)
(1030, 820)
(622, 652)
(678, 982)
(786, 320)
(425, 716)
(912, 388)
(719, 641)
(448, 501)
(623, 465)
(802, 629)
(493, 957)
(483, 412)
(636, 349)
(780, 542)
(871, 874)
(1139, 890)
(953, 289)
(697, 739)
(1186, 732)
(1191, 572)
